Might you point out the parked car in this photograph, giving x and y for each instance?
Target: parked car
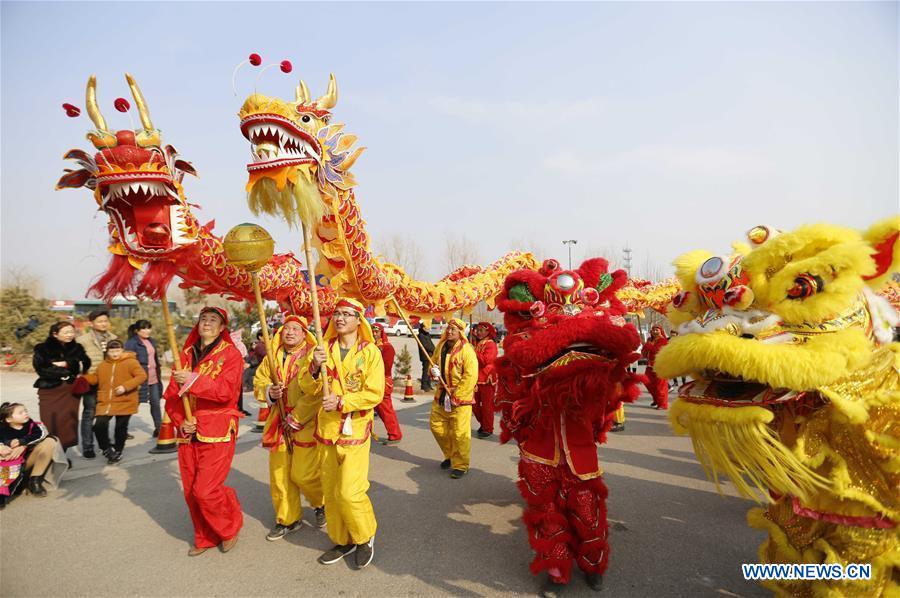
(398, 329)
(437, 329)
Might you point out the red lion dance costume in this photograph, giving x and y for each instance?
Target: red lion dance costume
(563, 374)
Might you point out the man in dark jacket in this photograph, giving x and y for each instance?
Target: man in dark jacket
(425, 339)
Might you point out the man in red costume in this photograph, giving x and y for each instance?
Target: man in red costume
(486, 352)
(562, 376)
(210, 378)
(385, 408)
(656, 386)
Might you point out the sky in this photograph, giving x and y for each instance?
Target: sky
(664, 126)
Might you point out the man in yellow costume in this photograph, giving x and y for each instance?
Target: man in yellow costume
(295, 458)
(455, 364)
(352, 363)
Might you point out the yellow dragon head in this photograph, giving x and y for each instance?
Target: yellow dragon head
(297, 152)
(788, 323)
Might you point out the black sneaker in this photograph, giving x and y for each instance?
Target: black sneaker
(114, 457)
(320, 517)
(618, 428)
(89, 453)
(390, 441)
(156, 433)
(107, 453)
(457, 473)
(336, 554)
(280, 531)
(445, 464)
(483, 434)
(594, 581)
(365, 553)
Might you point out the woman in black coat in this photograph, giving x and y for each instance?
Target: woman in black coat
(58, 361)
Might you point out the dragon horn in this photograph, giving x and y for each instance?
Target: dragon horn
(329, 100)
(302, 93)
(91, 101)
(141, 104)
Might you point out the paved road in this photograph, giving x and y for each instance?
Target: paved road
(124, 530)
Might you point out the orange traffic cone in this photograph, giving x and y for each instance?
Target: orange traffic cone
(260, 422)
(408, 392)
(165, 442)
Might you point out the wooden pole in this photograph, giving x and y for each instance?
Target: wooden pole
(314, 297)
(176, 353)
(418, 342)
(270, 351)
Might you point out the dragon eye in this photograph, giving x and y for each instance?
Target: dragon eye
(305, 118)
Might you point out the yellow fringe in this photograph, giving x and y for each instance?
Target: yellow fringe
(737, 442)
(296, 202)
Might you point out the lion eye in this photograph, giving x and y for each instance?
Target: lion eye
(806, 285)
(711, 268)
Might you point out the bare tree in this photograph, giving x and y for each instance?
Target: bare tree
(651, 270)
(403, 251)
(531, 245)
(610, 253)
(460, 251)
(20, 277)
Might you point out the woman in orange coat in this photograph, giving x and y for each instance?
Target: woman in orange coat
(117, 378)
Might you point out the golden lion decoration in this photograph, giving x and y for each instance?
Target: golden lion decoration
(796, 395)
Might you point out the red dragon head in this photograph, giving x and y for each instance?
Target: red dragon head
(137, 182)
(569, 344)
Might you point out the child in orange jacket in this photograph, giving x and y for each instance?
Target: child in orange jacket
(118, 378)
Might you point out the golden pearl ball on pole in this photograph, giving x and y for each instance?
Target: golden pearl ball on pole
(248, 246)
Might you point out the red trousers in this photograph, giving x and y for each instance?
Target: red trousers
(385, 410)
(658, 388)
(484, 406)
(214, 507)
(566, 519)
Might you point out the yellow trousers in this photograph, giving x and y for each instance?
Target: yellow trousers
(345, 479)
(291, 475)
(453, 432)
(619, 417)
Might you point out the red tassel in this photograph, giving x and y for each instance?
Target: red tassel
(156, 280)
(119, 279)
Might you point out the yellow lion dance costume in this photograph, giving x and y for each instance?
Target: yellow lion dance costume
(796, 394)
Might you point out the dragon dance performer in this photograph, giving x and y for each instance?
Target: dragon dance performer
(385, 408)
(486, 352)
(296, 470)
(451, 413)
(211, 378)
(344, 427)
(656, 386)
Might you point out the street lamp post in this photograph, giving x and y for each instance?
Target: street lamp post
(570, 242)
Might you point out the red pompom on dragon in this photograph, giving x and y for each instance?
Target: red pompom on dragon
(564, 372)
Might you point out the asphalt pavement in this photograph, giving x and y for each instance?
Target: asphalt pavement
(124, 530)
